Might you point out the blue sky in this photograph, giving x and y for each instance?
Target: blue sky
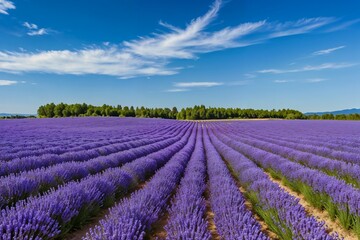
(251, 54)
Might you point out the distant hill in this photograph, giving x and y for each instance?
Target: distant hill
(345, 111)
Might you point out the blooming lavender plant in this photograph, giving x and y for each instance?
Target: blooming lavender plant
(327, 191)
(20, 186)
(70, 205)
(187, 210)
(145, 206)
(283, 213)
(232, 219)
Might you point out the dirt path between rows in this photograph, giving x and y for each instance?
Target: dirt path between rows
(264, 227)
(158, 231)
(332, 226)
(209, 216)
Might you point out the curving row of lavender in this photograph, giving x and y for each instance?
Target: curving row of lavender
(342, 170)
(22, 185)
(166, 179)
(63, 138)
(59, 210)
(281, 211)
(340, 199)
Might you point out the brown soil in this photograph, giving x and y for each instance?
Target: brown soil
(209, 216)
(264, 227)
(158, 232)
(332, 226)
(77, 234)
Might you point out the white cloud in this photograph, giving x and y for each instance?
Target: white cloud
(39, 32)
(238, 83)
(34, 30)
(7, 82)
(197, 84)
(316, 80)
(343, 25)
(310, 68)
(301, 26)
(283, 81)
(151, 55)
(186, 43)
(109, 61)
(249, 75)
(30, 25)
(186, 86)
(327, 51)
(6, 5)
(177, 90)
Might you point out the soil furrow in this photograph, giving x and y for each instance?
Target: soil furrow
(332, 226)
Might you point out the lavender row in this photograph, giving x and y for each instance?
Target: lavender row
(132, 217)
(337, 135)
(281, 211)
(348, 157)
(21, 186)
(341, 133)
(60, 147)
(24, 164)
(187, 211)
(94, 145)
(334, 195)
(232, 219)
(348, 172)
(59, 151)
(47, 160)
(319, 145)
(41, 134)
(58, 211)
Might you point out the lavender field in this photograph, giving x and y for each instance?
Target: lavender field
(131, 178)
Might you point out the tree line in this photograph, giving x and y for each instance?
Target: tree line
(17, 117)
(191, 113)
(329, 116)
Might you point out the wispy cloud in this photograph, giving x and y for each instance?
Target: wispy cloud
(310, 68)
(187, 86)
(7, 82)
(238, 83)
(177, 90)
(249, 75)
(6, 5)
(315, 80)
(34, 30)
(101, 61)
(152, 55)
(327, 51)
(283, 81)
(301, 26)
(197, 84)
(343, 25)
(186, 43)
(30, 26)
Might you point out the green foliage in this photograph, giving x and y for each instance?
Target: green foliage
(202, 113)
(198, 112)
(17, 117)
(270, 216)
(323, 202)
(195, 113)
(354, 116)
(85, 110)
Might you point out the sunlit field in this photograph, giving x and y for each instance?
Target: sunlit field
(128, 178)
